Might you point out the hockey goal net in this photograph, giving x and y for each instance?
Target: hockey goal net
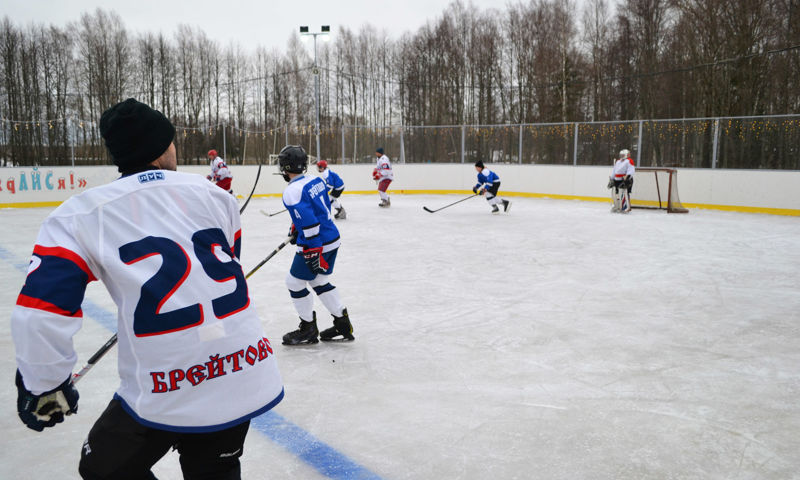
(656, 187)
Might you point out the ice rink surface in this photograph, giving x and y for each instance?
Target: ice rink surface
(559, 341)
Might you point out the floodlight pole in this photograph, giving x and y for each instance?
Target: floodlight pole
(325, 31)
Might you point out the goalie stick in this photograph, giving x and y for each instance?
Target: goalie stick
(271, 214)
(450, 205)
(113, 340)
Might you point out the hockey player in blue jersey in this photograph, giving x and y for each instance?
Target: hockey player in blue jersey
(488, 185)
(317, 239)
(335, 188)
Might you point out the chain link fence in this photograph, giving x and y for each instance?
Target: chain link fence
(764, 142)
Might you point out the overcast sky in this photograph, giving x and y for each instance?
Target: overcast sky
(269, 23)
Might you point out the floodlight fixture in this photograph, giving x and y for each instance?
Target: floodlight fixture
(324, 32)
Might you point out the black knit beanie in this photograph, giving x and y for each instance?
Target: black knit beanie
(135, 134)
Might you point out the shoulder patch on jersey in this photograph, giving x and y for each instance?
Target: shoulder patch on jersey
(294, 191)
(150, 176)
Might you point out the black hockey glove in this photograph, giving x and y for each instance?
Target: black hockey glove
(628, 182)
(41, 411)
(475, 190)
(293, 234)
(610, 182)
(314, 260)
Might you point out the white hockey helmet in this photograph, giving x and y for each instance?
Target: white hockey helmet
(624, 153)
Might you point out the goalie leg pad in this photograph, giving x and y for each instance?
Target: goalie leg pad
(625, 202)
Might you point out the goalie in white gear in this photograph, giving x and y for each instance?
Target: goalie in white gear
(621, 180)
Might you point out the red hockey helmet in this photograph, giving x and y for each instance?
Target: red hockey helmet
(212, 153)
(322, 165)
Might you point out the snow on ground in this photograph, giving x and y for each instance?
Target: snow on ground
(558, 341)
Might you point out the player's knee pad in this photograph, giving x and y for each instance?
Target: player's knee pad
(319, 280)
(295, 284)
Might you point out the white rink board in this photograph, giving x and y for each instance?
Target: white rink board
(745, 190)
(559, 341)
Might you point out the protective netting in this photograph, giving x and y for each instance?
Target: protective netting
(767, 142)
(656, 188)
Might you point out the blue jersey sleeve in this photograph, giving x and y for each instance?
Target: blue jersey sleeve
(335, 182)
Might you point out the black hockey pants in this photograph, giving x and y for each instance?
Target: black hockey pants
(121, 448)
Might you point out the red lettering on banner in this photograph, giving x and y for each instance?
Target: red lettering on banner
(61, 184)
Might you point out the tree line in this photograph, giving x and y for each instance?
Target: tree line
(539, 61)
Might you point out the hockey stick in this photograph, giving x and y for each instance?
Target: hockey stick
(272, 214)
(450, 205)
(94, 359)
(258, 174)
(113, 340)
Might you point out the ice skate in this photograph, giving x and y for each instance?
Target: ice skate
(340, 214)
(495, 209)
(506, 205)
(385, 203)
(305, 334)
(341, 326)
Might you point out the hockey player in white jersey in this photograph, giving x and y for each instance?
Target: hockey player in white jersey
(220, 173)
(194, 363)
(384, 175)
(621, 180)
(317, 240)
(488, 185)
(335, 188)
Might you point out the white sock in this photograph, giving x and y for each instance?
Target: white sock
(329, 295)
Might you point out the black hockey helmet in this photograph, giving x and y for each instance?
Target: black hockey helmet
(292, 159)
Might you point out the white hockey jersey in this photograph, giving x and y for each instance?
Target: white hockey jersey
(219, 170)
(193, 356)
(384, 168)
(623, 167)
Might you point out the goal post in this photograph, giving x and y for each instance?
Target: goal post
(656, 187)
